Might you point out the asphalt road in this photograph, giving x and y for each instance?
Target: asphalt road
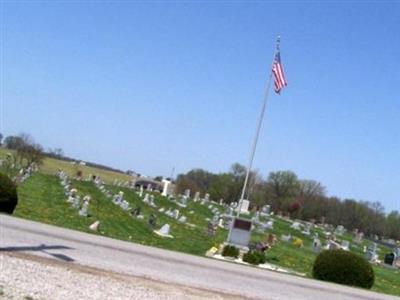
(128, 259)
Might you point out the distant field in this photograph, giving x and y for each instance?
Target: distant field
(41, 198)
(51, 166)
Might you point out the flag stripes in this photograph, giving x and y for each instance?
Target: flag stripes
(277, 70)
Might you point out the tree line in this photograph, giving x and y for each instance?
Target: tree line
(28, 152)
(294, 197)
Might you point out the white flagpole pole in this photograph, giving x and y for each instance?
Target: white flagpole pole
(258, 129)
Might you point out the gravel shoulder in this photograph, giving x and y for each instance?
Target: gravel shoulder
(27, 276)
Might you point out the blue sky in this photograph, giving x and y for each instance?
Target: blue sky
(152, 86)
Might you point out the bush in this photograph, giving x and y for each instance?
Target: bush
(8, 195)
(254, 257)
(230, 251)
(343, 267)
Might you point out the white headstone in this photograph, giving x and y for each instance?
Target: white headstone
(95, 226)
(165, 187)
(196, 197)
(244, 206)
(164, 229)
(345, 245)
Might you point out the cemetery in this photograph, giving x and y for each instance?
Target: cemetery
(193, 223)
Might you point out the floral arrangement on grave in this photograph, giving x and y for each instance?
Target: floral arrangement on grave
(298, 243)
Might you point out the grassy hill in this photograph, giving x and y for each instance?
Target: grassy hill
(42, 198)
(51, 166)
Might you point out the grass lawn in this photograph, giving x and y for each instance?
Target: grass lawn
(41, 198)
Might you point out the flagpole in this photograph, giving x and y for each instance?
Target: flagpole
(258, 129)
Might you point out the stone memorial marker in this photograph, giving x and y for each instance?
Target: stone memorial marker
(390, 258)
(244, 206)
(153, 221)
(240, 233)
(141, 191)
(196, 197)
(296, 226)
(85, 206)
(207, 197)
(286, 238)
(166, 183)
(182, 219)
(164, 231)
(345, 245)
(316, 245)
(95, 226)
(339, 230)
(187, 193)
(146, 198)
(76, 201)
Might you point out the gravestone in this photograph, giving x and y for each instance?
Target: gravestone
(153, 221)
(136, 211)
(345, 245)
(241, 232)
(316, 245)
(175, 213)
(339, 230)
(358, 238)
(266, 209)
(164, 231)
(207, 197)
(76, 201)
(85, 206)
(244, 206)
(187, 193)
(166, 183)
(286, 238)
(196, 197)
(389, 259)
(296, 226)
(95, 226)
(182, 219)
(141, 191)
(146, 198)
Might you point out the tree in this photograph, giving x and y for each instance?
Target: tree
(1, 138)
(27, 151)
(392, 228)
(282, 187)
(56, 152)
(195, 180)
(30, 154)
(13, 142)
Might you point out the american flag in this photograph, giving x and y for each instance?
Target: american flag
(277, 69)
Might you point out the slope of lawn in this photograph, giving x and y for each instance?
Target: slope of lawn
(41, 198)
(51, 166)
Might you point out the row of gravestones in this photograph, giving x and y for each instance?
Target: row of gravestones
(72, 195)
(136, 212)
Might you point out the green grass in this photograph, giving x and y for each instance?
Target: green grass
(41, 198)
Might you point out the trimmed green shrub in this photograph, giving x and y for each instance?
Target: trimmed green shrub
(343, 267)
(230, 251)
(254, 257)
(8, 195)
